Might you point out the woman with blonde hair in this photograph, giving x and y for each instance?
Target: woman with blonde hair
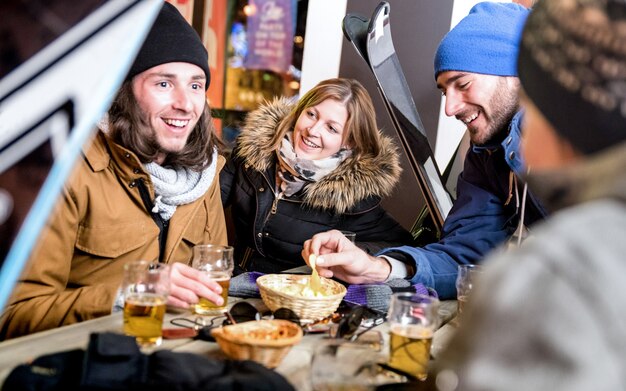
(299, 169)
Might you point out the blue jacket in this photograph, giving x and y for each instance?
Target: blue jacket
(480, 219)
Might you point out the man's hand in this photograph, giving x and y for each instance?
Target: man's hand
(189, 284)
(339, 257)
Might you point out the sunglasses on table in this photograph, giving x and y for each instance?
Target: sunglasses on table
(348, 319)
(244, 312)
(355, 321)
(239, 313)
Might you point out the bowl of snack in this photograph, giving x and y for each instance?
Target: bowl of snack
(264, 341)
(293, 291)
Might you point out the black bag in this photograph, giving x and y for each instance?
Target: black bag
(114, 362)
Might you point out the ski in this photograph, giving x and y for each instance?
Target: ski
(373, 42)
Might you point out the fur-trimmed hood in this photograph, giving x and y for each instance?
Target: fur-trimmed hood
(353, 181)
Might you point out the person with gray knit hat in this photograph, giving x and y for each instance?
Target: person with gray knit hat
(475, 69)
(552, 314)
(146, 188)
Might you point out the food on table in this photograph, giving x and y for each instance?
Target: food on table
(268, 331)
(315, 284)
(302, 288)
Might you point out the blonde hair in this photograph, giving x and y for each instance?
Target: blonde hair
(360, 131)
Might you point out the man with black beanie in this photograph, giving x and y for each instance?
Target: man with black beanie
(146, 188)
(552, 315)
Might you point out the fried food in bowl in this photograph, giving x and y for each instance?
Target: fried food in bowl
(292, 291)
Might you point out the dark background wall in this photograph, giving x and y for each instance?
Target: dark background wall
(417, 26)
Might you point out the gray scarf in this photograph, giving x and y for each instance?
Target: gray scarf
(295, 172)
(178, 186)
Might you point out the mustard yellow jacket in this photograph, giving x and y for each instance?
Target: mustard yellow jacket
(100, 224)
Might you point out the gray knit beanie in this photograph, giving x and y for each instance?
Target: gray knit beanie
(572, 65)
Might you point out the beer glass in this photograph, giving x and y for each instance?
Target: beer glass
(413, 319)
(465, 281)
(341, 365)
(217, 262)
(146, 286)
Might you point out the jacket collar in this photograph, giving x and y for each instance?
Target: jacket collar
(353, 181)
(99, 154)
(510, 145)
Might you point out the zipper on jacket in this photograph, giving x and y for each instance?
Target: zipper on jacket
(247, 254)
(160, 222)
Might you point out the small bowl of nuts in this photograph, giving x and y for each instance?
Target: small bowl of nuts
(264, 341)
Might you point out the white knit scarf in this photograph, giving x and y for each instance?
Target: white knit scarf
(178, 186)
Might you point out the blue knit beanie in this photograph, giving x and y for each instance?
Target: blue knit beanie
(485, 41)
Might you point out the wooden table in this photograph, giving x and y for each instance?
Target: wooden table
(295, 367)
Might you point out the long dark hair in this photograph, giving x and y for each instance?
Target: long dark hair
(128, 128)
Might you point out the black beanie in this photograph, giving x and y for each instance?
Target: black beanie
(572, 65)
(171, 39)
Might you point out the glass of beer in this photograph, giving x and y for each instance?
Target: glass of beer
(217, 262)
(413, 320)
(146, 286)
(338, 364)
(465, 281)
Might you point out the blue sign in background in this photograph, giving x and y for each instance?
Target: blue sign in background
(270, 35)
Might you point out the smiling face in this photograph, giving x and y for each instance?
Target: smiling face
(318, 132)
(484, 103)
(171, 98)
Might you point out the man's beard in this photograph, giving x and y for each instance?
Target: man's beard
(150, 134)
(504, 103)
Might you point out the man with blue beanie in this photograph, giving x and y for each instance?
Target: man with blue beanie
(475, 68)
(551, 315)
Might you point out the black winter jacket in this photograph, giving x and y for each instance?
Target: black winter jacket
(269, 232)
